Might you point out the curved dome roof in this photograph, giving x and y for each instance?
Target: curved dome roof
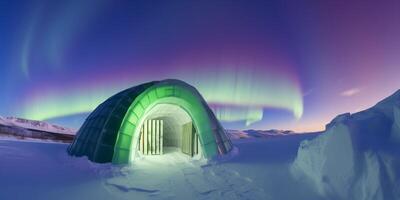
(110, 132)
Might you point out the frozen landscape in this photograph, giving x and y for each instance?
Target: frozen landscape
(218, 100)
(357, 157)
(257, 169)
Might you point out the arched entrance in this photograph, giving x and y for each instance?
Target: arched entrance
(168, 128)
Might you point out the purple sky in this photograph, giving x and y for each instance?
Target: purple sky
(292, 64)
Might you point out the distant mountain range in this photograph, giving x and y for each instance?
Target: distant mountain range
(35, 125)
(31, 129)
(242, 134)
(24, 129)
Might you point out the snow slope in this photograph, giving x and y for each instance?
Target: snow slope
(358, 156)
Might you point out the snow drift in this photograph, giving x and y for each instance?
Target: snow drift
(358, 155)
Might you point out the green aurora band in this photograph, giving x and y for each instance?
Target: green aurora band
(233, 96)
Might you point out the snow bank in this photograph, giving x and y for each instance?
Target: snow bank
(358, 155)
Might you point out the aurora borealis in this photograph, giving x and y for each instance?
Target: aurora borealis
(259, 64)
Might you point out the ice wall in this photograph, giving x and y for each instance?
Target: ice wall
(357, 157)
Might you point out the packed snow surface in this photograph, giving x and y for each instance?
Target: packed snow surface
(256, 169)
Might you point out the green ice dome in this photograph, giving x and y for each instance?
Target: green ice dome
(146, 120)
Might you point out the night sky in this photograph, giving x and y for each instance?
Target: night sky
(259, 64)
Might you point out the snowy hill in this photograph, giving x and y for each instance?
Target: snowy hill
(357, 157)
(35, 125)
(17, 128)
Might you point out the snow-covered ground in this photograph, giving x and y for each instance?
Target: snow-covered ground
(257, 169)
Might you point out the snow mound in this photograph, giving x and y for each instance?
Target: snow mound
(35, 125)
(357, 157)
